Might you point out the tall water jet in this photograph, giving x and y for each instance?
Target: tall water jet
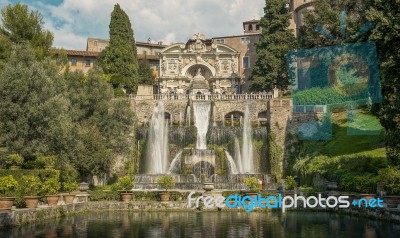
(247, 146)
(175, 165)
(201, 120)
(232, 164)
(188, 116)
(157, 144)
(238, 156)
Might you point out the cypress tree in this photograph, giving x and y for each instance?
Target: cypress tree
(118, 59)
(276, 40)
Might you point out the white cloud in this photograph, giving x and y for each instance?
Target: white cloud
(167, 20)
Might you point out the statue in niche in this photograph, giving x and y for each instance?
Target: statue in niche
(198, 72)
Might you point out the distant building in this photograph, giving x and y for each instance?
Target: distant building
(85, 60)
(243, 54)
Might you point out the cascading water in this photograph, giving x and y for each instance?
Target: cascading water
(157, 144)
(188, 116)
(247, 146)
(231, 163)
(175, 167)
(238, 156)
(201, 118)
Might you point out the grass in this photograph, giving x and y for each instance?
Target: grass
(343, 143)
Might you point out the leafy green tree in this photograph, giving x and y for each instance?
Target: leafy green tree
(20, 25)
(119, 57)
(276, 40)
(326, 14)
(146, 75)
(385, 16)
(34, 115)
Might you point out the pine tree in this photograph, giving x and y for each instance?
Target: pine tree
(119, 58)
(276, 40)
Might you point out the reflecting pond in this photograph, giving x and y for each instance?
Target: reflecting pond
(207, 224)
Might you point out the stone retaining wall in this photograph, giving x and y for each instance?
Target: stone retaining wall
(23, 216)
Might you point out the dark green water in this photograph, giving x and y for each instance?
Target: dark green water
(208, 225)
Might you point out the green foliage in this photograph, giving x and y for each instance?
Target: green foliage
(125, 184)
(30, 185)
(252, 183)
(69, 186)
(365, 183)
(275, 153)
(51, 186)
(290, 183)
(119, 57)
(7, 184)
(385, 15)
(276, 41)
(166, 182)
(14, 160)
(146, 75)
(43, 161)
(104, 195)
(34, 115)
(19, 25)
(326, 13)
(391, 177)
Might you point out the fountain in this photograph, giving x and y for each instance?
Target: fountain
(194, 167)
(247, 146)
(201, 118)
(175, 166)
(232, 166)
(157, 144)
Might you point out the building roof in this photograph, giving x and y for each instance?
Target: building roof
(82, 53)
(159, 44)
(236, 36)
(251, 21)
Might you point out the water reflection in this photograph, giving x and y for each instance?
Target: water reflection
(207, 224)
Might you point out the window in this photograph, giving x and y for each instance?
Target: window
(220, 41)
(95, 43)
(246, 62)
(250, 27)
(73, 62)
(245, 40)
(257, 27)
(87, 62)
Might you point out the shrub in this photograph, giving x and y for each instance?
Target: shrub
(51, 186)
(166, 182)
(391, 178)
(69, 186)
(290, 183)
(30, 185)
(43, 161)
(7, 184)
(14, 160)
(124, 184)
(252, 183)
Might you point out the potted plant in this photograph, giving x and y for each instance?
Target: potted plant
(30, 187)
(166, 182)
(252, 184)
(69, 187)
(125, 185)
(14, 161)
(50, 188)
(7, 184)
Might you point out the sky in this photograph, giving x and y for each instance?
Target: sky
(169, 21)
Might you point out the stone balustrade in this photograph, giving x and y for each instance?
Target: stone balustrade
(203, 97)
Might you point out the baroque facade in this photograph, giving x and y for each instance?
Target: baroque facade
(199, 67)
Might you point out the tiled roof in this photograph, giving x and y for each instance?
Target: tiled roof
(82, 53)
